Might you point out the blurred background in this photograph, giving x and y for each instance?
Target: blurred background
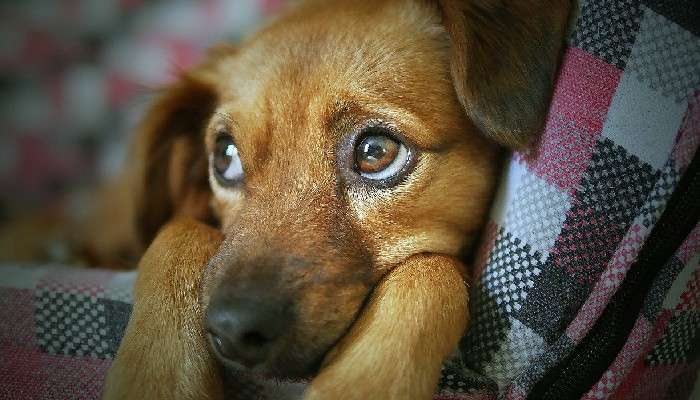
(75, 76)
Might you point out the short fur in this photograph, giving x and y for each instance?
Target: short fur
(373, 274)
(164, 355)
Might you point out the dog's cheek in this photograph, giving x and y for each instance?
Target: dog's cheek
(452, 209)
(226, 207)
(439, 210)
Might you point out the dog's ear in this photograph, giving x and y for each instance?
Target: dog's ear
(170, 169)
(504, 58)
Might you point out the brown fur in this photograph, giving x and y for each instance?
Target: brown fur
(415, 316)
(373, 274)
(165, 355)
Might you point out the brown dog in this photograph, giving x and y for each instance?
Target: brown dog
(164, 353)
(339, 152)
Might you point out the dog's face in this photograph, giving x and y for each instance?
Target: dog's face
(337, 149)
(335, 145)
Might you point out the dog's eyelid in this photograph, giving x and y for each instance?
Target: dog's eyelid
(222, 124)
(405, 122)
(221, 131)
(384, 127)
(405, 133)
(223, 116)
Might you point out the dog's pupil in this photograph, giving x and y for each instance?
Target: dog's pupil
(225, 162)
(376, 152)
(223, 155)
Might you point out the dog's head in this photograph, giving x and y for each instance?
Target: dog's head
(338, 141)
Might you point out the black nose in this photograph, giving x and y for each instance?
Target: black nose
(244, 329)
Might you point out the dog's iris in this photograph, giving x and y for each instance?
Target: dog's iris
(379, 156)
(376, 153)
(225, 161)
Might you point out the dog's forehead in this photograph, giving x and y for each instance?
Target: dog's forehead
(390, 55)
(348, 36)
(390, 60)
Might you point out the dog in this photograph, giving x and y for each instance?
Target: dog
(310, 191)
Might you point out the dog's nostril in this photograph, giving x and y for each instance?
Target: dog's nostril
(219, 345)
(244, 330)
(254, 339)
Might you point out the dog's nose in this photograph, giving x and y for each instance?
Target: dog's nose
(244, 329)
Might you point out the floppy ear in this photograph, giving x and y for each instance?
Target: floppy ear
(504, 59)
(170, 170)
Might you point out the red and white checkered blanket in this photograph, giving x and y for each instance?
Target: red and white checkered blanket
(60, 329)
(559, 271)
(559, 256)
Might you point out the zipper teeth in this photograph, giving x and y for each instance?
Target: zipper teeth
(578, 372)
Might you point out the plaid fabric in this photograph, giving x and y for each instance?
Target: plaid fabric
(572, 215)
(60, 329)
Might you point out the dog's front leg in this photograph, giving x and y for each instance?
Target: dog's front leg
(164, 354)
(412, 322)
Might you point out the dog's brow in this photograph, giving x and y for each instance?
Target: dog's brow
(337, 114)
(395, 115)
(226, 117)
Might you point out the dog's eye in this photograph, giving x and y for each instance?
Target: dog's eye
(225, 162)
(379, 156)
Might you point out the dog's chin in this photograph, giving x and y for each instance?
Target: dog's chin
(266, 371)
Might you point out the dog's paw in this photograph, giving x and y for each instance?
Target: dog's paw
(413, 320)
